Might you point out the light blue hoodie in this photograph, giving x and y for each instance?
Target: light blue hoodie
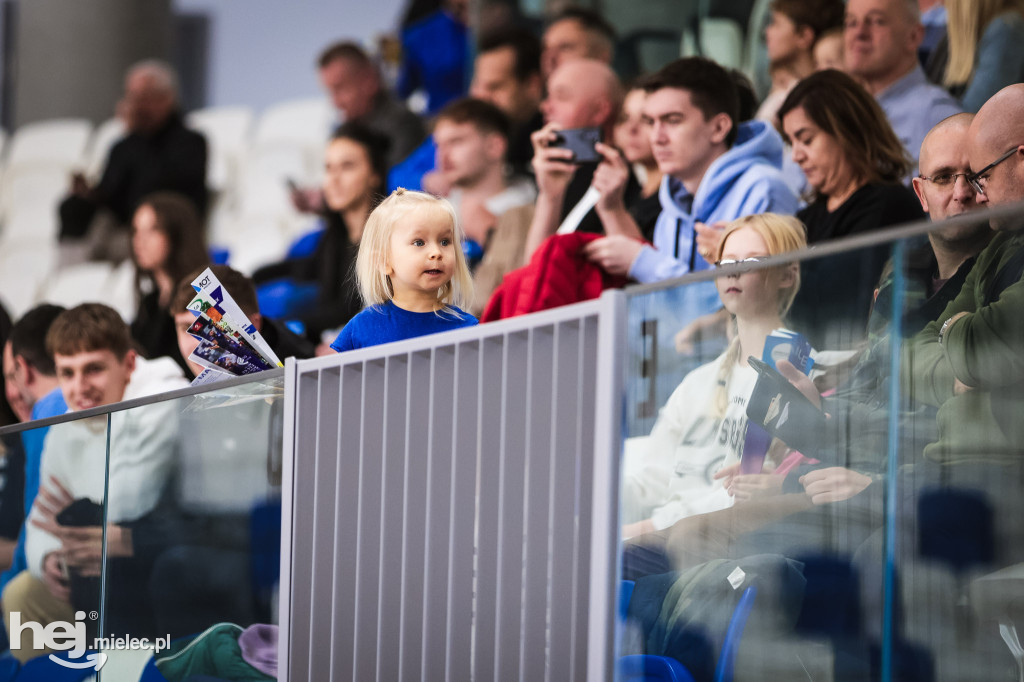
(745, 180)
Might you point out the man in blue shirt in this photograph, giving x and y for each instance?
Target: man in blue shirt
(881, 39)
(31, 379)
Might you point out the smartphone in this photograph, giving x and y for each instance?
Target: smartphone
(783, 411)
(581, 142)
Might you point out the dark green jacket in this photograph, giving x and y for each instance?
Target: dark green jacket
(984, 350)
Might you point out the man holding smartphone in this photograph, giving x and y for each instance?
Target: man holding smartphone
(582, 94)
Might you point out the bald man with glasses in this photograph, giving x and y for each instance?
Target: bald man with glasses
(969, 362)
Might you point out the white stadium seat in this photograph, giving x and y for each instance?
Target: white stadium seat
(85, 282)
(31, 193)
(57, 142)
(262, 184)
(257, 239)
(227, 131)
(109, 132)
(24, 267)
(306, 121)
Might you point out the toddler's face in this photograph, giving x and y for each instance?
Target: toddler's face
(421, 259)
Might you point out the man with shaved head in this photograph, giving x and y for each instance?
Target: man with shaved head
(157, 153)
(945, 191)
(969, 362)
(582, 93)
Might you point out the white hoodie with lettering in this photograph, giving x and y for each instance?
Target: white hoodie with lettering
(668, 475)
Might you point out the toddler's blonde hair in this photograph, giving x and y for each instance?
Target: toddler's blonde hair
(375, 247)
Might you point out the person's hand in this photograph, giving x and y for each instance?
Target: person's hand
(615, 253)
(82, 548)
(959, 387)
(801, 381)
(50, 501)
(709, 239)
(79, 185)
(610, 178)
(435, 182)
(833, 484)
(728, 474)
(552, 166)
(710, 326)
(307, 200)
(476, 220)
(631, 530)
(746, 487)
(53, 577)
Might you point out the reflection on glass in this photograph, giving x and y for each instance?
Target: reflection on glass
(883, 530)
(206, 549)
(58, 573)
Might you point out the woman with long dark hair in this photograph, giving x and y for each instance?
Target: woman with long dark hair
(167, 244)
(355, 172)
(854, 165)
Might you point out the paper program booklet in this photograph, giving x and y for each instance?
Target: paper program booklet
(229, 344)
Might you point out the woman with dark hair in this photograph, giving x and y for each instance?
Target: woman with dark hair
(167, 244)
(854, 165)
(355, 165)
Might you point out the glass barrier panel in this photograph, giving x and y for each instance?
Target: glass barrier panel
(51, 590)
(747, 499)
(861, 522)
(955, 505)
(192, 529)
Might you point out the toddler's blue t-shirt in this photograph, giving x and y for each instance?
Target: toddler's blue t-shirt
(387, 322)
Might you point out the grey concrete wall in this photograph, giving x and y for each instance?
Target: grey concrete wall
(72, 55)
(264, 51)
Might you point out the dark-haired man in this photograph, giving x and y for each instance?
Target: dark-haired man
(715, 170)
(352, 81)
(95, 366)
(577, 33)
(494, 208)
(507, 74)
(31, 384)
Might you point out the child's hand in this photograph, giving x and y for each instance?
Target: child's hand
(746, 487)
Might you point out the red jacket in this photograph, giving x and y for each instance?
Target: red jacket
(558, 274)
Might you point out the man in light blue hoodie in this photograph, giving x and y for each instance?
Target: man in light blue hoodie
(715, 170)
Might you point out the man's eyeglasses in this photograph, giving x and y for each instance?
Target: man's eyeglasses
(945, 179)
(979, 179)
(734, 261)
